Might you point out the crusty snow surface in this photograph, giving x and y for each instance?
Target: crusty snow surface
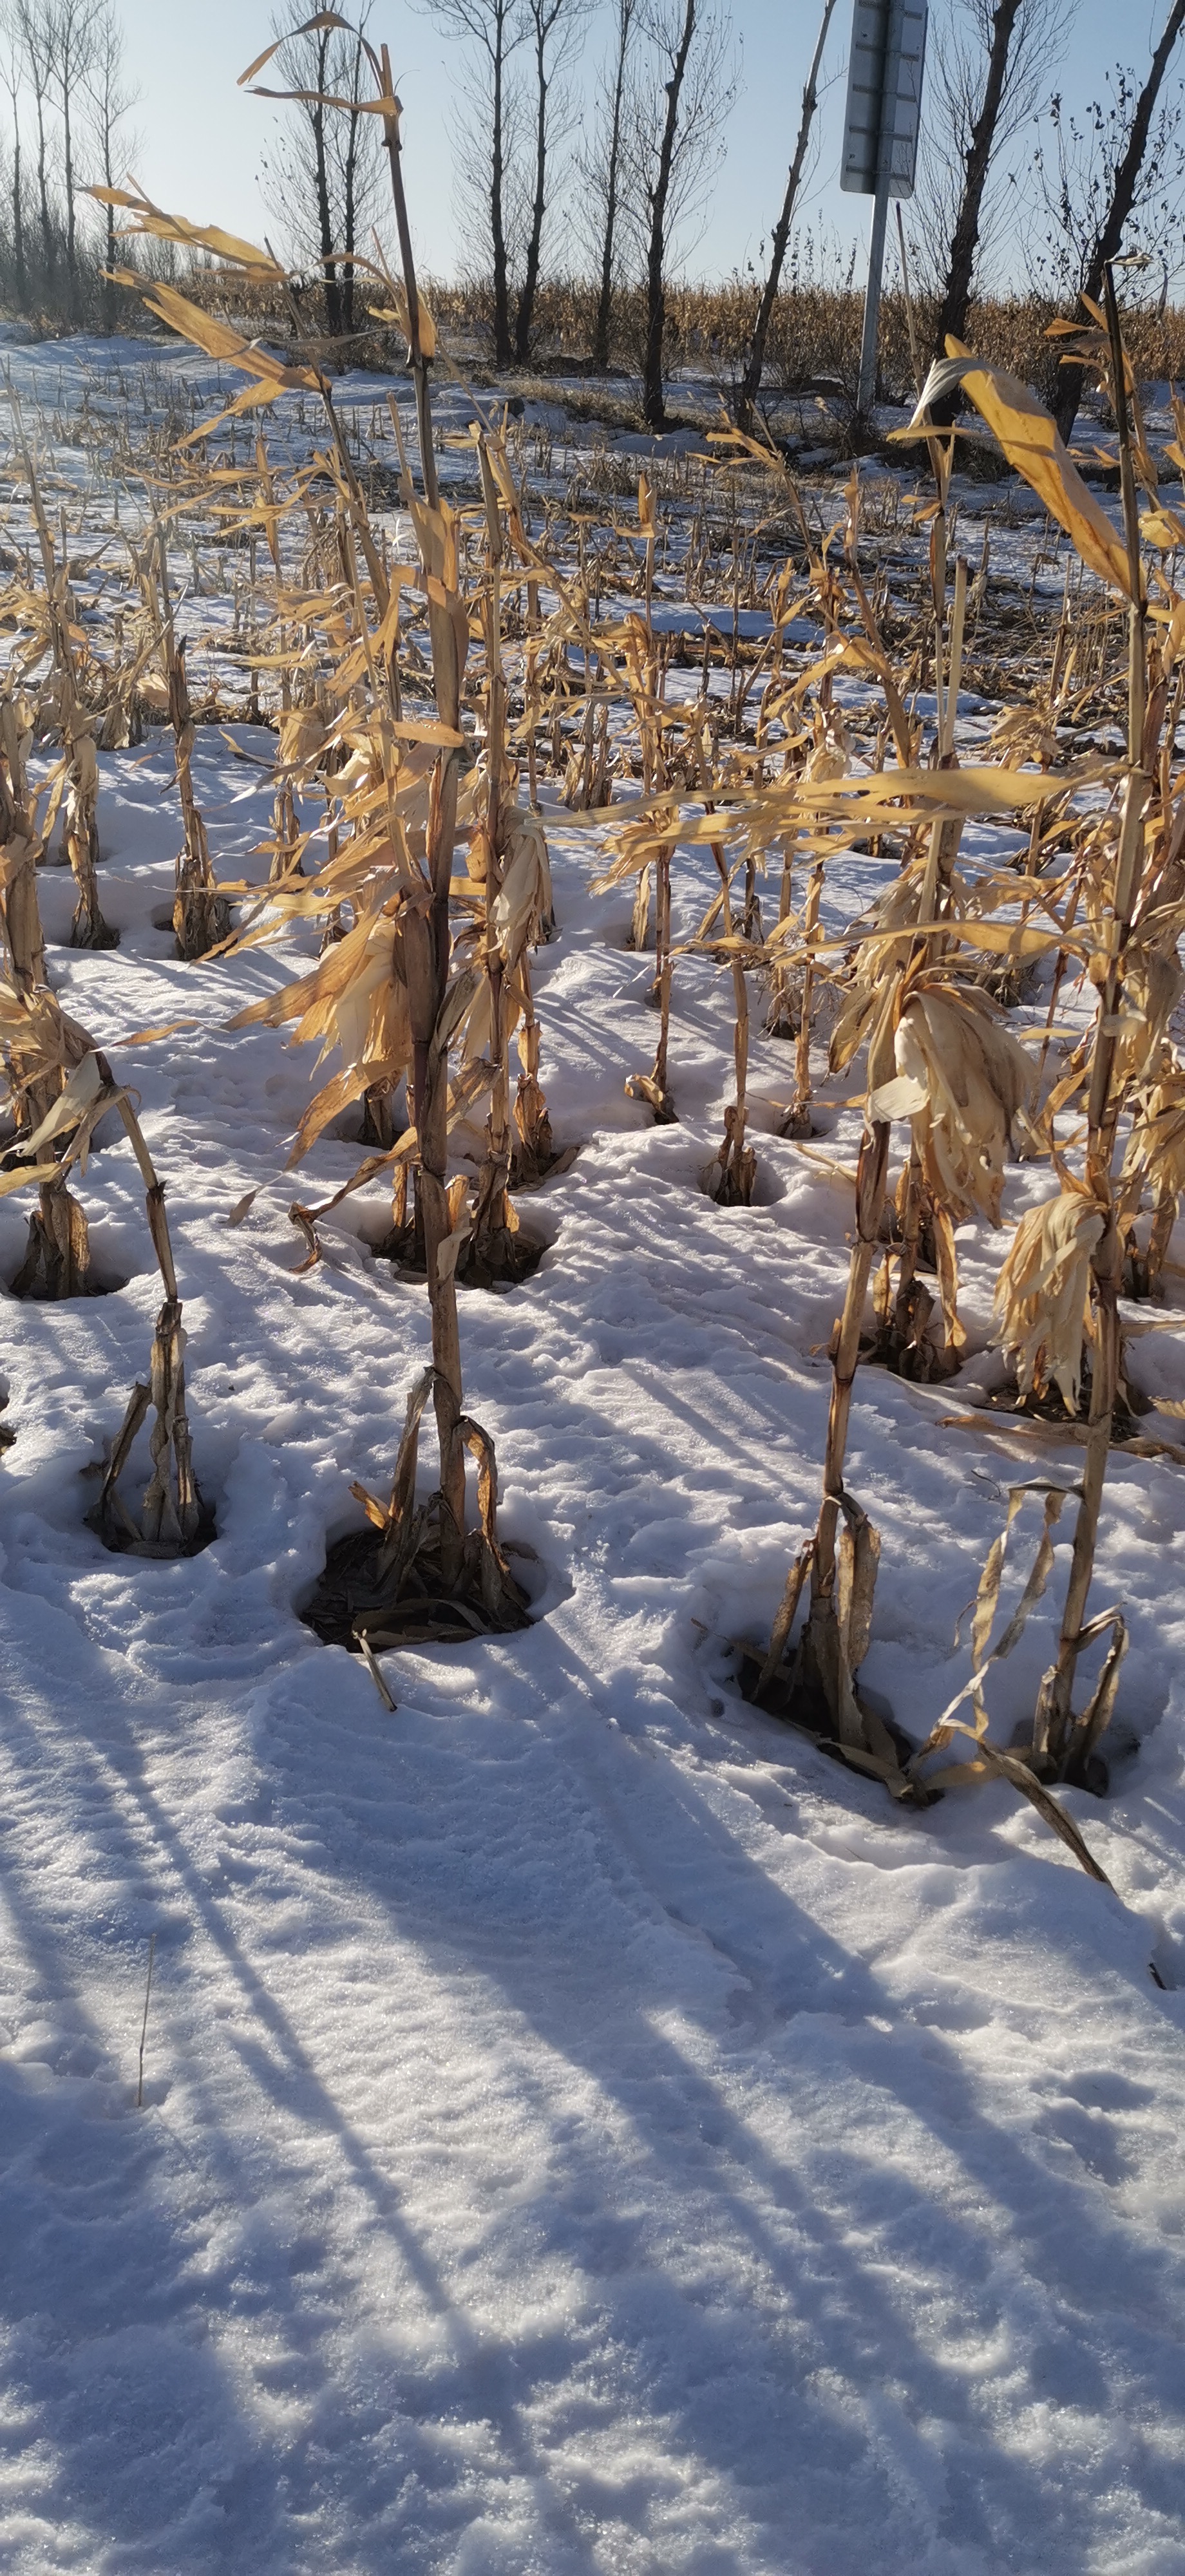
(585, 2132)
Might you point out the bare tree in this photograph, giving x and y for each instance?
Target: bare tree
(12, 76)
(110, 100)
(677, 138)
(324, 167)
(73, 30)
(549, 21)
(353, 149)
(982, 100)
(37, 46)
(601, 174)
(1102, 193)
(987, 60)
(751, 380)
(493, 30)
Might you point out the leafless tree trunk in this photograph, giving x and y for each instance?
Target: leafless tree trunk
(350, 178)
(751, 380)
(1123, 195)
(73, 30)
(12, 80)
(627, 11)
(496, 28)
(322, 173)
(653, 387)
(37, 42)
(110, 102)
(956, 290)
(545, 17)
(676, 142)
(333, 310)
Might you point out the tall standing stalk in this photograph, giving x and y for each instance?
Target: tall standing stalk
(199, 914)
(492, 1216)
(1054, 1727)
(426, 938)
(842, 1561)
(88, 928)
(20, 916)
(731, 1175)
(644, 668)
(57, 1260)
(916, 1204)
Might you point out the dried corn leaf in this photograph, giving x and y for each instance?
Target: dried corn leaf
(974, 1078)
(1032, 445)
(1042, 1293)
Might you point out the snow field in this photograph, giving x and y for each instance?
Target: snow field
(586, 2133)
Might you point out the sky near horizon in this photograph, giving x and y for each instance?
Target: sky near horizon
(202, 138)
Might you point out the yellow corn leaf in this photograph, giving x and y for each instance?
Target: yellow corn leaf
(399, 315)
(1163, 529)
(1032, 445)
(27, 1172)
(426, 729)
(150, 219)
(254, 397)
(310, 27)
(1042, 1290)
(217, 338)
(329, 98)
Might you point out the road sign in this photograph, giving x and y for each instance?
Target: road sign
(880, 141)
(884, 96)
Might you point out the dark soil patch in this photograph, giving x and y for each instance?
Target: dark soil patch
(519, 1257)
(353, 1599)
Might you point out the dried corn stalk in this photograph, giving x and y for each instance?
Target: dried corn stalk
(20, 918)
(47, 1054)
(80, 829)
(988, 1760)
(43, 1053)
(200, 916)
(386, 867)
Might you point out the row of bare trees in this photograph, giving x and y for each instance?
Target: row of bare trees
(631, 168)
(650, 142)
(322, 175)
(621, 166)
(62, 70)
(628, 172)
(1110, 183)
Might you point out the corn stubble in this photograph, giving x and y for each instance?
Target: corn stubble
(396, 991)
(417, 703)
(939, 1056)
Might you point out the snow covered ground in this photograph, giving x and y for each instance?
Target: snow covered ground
(585, 2132)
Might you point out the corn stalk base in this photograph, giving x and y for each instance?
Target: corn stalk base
(57, 1257)
(798, 1696)
(353, 1601)
(495, 1260)
(415, 1576)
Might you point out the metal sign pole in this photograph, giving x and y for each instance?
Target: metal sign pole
(881, 137)
(866, 389)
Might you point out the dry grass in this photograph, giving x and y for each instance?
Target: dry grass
(814, 337)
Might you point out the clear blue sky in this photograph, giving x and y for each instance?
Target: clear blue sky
(202, 136)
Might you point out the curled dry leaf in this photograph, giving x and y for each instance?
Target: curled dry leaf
(355, 1001)
(1031, 444)
(951, 1044)
(1042, 1291)
(523, 904)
